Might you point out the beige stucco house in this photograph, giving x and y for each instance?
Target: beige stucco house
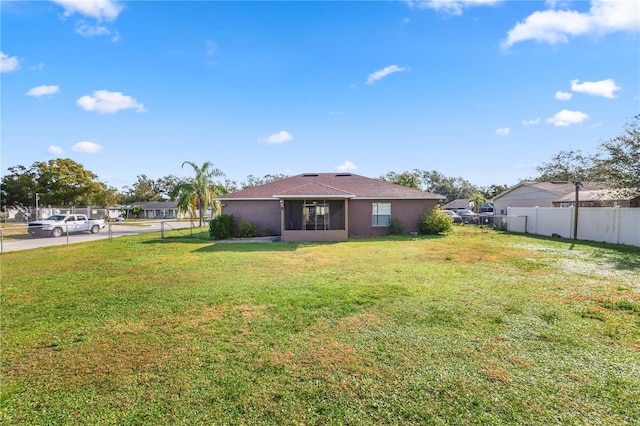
(538, 194)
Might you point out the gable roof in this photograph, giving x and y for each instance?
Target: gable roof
(156, 205)
(329, 185)
(558, 188)
(458, 203)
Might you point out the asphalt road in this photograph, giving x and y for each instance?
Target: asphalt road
(111, 230)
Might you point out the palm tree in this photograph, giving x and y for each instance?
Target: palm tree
(478, 201)
(198, 193)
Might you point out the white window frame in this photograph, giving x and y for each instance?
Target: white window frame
(379, 216)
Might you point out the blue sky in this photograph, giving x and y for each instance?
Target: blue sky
(485, 89)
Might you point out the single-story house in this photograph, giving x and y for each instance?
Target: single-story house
(328, 206)
(158, 209)
(538, 194)
(466, 203)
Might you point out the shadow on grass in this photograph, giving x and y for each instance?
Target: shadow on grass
(245, 247)
(621, 256)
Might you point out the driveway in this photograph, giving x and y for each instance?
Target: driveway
(111, 230)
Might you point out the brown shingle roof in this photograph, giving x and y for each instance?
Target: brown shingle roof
(337, 185)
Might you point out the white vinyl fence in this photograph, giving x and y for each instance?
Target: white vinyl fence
(613, 225)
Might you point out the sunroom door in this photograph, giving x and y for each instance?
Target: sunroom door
(316, 216)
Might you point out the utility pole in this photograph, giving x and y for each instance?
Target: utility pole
(578, 185)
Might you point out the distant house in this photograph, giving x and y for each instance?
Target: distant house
(328, 206)
(540, 194)
(466, 203)
(158, 209)
(459, 203)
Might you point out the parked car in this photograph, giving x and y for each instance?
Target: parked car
(467, 215)
(456, 217)
(60, 224)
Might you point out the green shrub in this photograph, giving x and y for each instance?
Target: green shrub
(247, 229)
(435, 222)
(396, 227)
(221, 227)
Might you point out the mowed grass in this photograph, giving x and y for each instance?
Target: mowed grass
(478, 327)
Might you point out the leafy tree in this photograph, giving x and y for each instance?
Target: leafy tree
(19, 186)
(569, 166)
(164, 186)
(620, 159)
(451, 187)
(478, 201)
(61, 182)
(147, 189)
(492, 190)
(410, 179)
(198, 193)
(255, 181)
(142, 190)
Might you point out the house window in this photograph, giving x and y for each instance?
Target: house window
(381, 214)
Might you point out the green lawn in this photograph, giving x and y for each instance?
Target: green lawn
(478, 327)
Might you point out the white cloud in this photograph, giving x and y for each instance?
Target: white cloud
(276, 138)
(606, 88)
(566, 118)
(107, 102)
(8, 63)
(86, 146)
(563, 96)
(531, 122)
(107, 10)
(88, 30)
(38, 91)
(347, 166)
(556, 26)
(55, 150)
(380, 74)
(503, 131)
(451, 7)
(337, 112)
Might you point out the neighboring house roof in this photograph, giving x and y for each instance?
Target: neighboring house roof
(329, 185)
(600, 195)
(156, 205)
(460, 203)
(553, 187)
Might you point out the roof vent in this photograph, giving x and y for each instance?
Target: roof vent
(310, 175)
(343, 174)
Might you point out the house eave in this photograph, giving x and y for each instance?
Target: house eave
(314, 196)
(244, 199)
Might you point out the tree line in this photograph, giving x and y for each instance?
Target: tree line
(64, 182)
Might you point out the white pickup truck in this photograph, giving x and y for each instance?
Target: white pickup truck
(61, 224)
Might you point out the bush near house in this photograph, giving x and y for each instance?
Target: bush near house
(396, 227)
(221, 227)
(435, 222)
(247, 229)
